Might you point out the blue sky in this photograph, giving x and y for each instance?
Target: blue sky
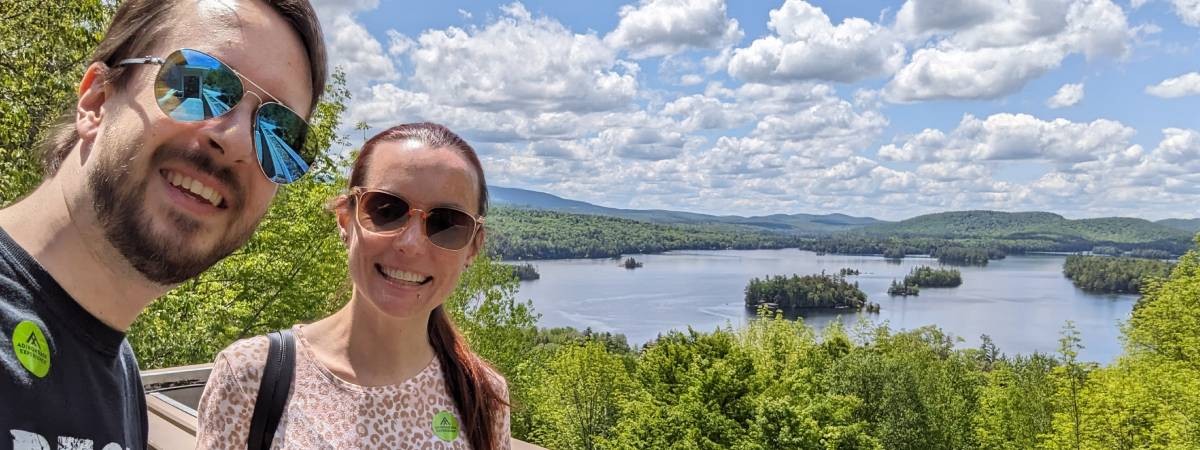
(1087, 108)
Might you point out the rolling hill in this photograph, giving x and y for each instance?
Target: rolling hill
(1011, 231)
(1188, 225)
(1030, 226)
(787, 223)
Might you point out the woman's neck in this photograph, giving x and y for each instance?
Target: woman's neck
(369, 348)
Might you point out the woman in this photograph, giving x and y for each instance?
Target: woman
(380, 371)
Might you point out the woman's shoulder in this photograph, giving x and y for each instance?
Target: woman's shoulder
(497, 379)
(249, 353)
(242, 363)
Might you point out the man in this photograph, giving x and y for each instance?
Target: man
(189, 115)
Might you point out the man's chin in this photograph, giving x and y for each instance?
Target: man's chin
(173, 251)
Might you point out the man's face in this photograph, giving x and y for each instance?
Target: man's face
(173, 197)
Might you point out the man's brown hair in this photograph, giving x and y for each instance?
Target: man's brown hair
(135, 27)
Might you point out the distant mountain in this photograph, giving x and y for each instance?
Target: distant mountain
(791, 223)
(1188, 225)
(1029, 225)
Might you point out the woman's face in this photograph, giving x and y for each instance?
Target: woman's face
(382, 266)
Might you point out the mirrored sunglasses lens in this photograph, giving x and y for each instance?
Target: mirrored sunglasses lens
(380, 212)
(279, 136)
(449, 229)
(192, 86)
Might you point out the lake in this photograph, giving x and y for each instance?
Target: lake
(1022, 302)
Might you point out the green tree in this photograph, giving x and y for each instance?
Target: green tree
(1015, 407)
(575, 403)
(44, 48)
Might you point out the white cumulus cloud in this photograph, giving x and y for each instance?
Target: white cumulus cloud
(1068, 95)
(806, 45)
(1005, 136)
(1180, 86)
(992, 55)
(521, 62)
(666, 27)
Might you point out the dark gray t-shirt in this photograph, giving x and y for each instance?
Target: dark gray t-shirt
(67, 380)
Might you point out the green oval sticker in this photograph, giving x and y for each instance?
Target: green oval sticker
(445, 426)
(30, 346)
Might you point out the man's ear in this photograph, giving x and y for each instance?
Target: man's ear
(93, 92)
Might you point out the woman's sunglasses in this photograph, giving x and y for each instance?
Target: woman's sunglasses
(383, 212)
(192, 86)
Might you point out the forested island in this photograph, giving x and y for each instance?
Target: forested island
(631, 263)
(1113, 275)
(525, 272)
(927, 277)
(805, 292)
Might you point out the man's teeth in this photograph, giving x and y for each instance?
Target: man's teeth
(403, 276)
(192, 185)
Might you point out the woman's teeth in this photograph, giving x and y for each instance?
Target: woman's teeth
(401, 275)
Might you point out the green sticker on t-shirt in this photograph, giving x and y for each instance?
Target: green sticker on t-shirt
(445, 426)
(30, 346)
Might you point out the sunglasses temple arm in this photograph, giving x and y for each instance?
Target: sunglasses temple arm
(143, 60)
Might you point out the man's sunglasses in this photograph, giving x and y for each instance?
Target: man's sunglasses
(192, 86)
(383, 212)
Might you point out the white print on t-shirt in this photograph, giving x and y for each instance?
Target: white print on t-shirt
(24, 440)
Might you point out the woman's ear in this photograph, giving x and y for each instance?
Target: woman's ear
(341, 211)
(89, 110)
(477, 244)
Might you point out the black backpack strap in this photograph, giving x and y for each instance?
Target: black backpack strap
(273, 390)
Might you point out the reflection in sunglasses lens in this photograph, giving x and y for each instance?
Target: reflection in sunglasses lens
(279, 143)
(192, 86)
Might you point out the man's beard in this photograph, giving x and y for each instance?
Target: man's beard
(120, 205)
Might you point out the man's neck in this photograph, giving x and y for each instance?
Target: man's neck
(64, 236)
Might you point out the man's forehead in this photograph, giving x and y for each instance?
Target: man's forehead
(223, 28)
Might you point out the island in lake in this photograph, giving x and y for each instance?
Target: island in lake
(818, 291)
(925, 276)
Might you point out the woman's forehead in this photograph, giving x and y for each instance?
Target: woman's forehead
(425, 175)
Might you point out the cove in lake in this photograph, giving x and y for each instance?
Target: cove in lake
(1022, 302)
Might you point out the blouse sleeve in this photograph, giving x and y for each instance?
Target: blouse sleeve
(228, 399)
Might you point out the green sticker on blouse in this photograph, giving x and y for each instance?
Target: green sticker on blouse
(445, 426)
(30, 346)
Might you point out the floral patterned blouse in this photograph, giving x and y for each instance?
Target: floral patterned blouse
(326, 412)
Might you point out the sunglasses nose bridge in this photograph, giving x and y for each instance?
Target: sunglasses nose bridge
(411, 234)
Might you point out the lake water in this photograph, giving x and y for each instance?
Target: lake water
(1022, 302)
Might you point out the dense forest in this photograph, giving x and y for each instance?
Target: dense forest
(804, 292)
(537, 234)
(974, 256)
(520, 233)
(1104, 274)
